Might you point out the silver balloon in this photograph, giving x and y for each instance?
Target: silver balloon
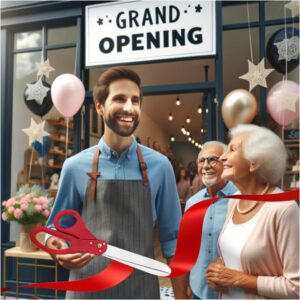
(239, 107)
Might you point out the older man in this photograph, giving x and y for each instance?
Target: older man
(209, 170)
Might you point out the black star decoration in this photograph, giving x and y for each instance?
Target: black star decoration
(100, 21)
(198, 8)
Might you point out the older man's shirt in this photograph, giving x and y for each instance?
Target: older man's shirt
(212, 226)
(165, 202)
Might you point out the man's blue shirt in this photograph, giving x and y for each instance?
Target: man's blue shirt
(212, 226)
(165, 202)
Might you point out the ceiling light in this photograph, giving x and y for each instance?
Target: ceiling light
(188, 120)
(178, 101)
(202, 130)
(206, 110)
(170, 117)
(196, 144)
(189, 139)
(193, 141)
(188, 133)
(172, 139)
(199, 110)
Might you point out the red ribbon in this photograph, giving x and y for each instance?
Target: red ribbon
(186, 253)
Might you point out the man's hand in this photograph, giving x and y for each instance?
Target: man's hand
(68, 261)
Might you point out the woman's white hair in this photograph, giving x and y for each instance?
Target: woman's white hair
(265, 147)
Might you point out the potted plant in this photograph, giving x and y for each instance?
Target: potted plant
(29, 208)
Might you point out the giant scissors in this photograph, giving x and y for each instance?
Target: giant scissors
(80, 239)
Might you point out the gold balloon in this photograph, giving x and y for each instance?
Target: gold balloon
(239, 107)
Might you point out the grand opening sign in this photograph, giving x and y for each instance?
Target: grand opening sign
(140, 31)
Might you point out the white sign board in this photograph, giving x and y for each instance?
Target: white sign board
(139, 31)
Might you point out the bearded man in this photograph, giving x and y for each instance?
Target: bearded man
(121, 189)
(210, 169)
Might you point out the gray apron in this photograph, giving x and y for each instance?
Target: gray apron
(119, 212)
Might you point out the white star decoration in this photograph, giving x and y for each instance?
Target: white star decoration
(36, 91)
(257, 74)
(292, 48)
(44, 68)
(285, 99)
(293, 6)
(35, 132)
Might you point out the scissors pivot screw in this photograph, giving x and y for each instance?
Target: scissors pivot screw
(99, 245)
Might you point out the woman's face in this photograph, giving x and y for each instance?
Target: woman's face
(235, 166)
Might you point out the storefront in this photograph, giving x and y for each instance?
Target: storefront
(32, 32)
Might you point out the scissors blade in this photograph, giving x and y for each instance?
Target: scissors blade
(137, 261)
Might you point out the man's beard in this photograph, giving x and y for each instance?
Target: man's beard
(112, 123)
(209, 182)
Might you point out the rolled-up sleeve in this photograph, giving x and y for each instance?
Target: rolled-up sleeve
(168, 210)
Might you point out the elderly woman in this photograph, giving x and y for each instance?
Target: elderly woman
(259, 243)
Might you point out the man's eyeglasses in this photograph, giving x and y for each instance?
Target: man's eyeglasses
(211, 160)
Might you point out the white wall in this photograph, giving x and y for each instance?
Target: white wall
(148, 128)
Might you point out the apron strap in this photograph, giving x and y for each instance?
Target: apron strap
(94, 174)
(143, 166)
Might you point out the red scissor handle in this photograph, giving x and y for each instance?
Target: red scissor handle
(97, 247)
(78, 229)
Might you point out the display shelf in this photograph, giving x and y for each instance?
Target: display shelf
(59, 140)
(57, 152)
(60, 123)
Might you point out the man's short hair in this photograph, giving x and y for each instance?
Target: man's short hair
(101, 89)
(212, 143)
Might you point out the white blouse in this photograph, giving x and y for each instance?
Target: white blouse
(231, 243)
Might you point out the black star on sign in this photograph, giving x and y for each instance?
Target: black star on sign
(198, 8)
(100, 21)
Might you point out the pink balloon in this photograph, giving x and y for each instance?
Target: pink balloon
(283, 102)
(67, 93)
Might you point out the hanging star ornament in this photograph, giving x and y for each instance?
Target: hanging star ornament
(257, 74)
(36, 91)
(44, 68)
(293, 6)
(292, 51)
(286, 99)
(35, 132)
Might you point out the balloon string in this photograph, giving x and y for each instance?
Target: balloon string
(249, 31)
(67, 136)
(286, 43)
(30, 164)
(43, 160)
(282, 138)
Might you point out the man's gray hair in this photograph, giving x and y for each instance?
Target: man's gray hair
(213, 143)
(265, 147)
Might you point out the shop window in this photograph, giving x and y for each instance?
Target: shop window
(236, 53)
(275, 10)
(63, 61)
(25, 40)
(62, 35)
(237, 13)
(25, 71)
